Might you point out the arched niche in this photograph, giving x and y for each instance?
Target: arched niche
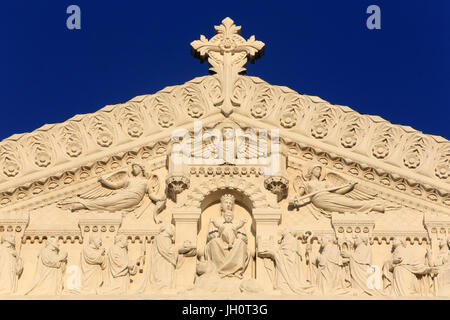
(210, 208)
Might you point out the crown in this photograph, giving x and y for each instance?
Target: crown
(227, 196)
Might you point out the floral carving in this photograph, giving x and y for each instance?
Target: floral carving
(42, 159)
(415, 149)
(384, 140)
(351, 125)
(258, 110)
(319, 130)
(104, 139)
(9, 154)
(348, 140)
(380, 150)
(412, 160)
(41, 145)
(324, 119)
(288, 119)
(73, 149)
(193, 101)
(100, 127)
(161, 107)
(442, 169)
(70, 136)
(11, 168)
(135, 130)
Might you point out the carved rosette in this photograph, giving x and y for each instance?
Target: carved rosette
(9, 152)
(100, 128)
(193, 102)
(71, 139)
(324, 120)
(131, 119)
(442, 169)
(40, 144)
(161, 108)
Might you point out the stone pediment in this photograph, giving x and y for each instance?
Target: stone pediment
(344, 181)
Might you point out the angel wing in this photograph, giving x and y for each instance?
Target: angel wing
(358, 192)
(100, 191)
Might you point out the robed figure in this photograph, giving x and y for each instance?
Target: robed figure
(93, 261)
(287, 276)
(119, 269)
(329, 267)
(405, 269)
(360, 260)
(441, 278)
(164, 257)
(50, 269)
(226, 245)
(11, 265)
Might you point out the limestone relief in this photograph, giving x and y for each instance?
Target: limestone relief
(277, 194)
(333, 193)
(119, 192)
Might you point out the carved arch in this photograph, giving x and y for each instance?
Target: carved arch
(253, 196)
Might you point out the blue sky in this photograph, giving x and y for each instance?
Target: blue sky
(128, 48)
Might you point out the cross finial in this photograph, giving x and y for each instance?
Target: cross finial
(227, 53)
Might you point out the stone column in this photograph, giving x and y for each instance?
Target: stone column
(267, 221)
(186, 222)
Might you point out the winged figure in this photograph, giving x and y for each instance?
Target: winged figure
(121, 192)
(333, 193)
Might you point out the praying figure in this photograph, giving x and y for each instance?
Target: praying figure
(93, 261)
(11, 265)
(164, 257)
(119, 268)
(50, 269)
(226, 245)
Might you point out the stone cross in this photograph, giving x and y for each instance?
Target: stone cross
(227, 53)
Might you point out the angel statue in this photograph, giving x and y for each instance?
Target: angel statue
(121, 192)
(333, 193)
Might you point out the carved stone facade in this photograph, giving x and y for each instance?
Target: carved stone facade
(225, 185)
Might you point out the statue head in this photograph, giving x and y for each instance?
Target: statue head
(137, 169)
(314, 172)
(52, 243)
(286, 232)
(325, 240)
(228, 216)
(398, 242)
(361, 239)
(9, 239)
(121, 240)
(96, 240)
(227, 202)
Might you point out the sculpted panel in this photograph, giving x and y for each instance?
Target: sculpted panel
(352, 206)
